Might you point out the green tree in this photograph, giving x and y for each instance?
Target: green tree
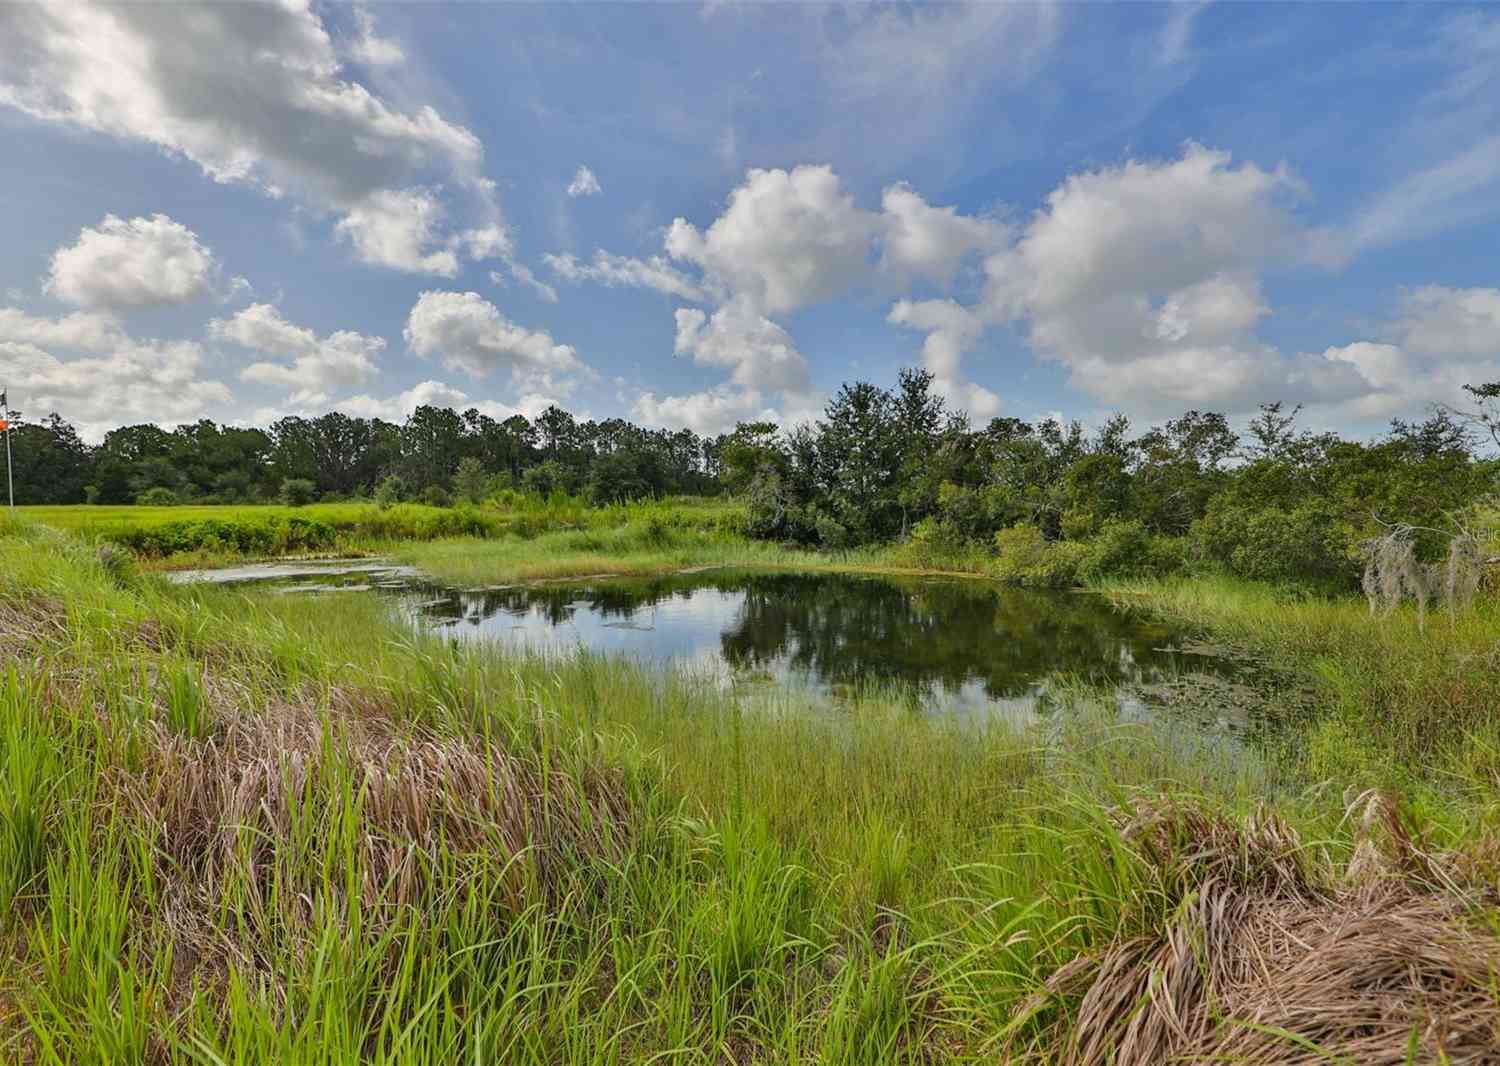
(297, 491)
(470, 480)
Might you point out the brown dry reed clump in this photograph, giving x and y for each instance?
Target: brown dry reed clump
(244, 822)
(1255, 949)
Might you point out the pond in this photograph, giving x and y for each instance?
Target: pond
(953, 645)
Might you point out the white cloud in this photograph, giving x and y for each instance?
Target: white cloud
(132, 263)
(915, 72)
(522, 273)
(1448, 134)
(1439, 340)
(758, 351)
(920, 240)
(253, 94)
(787, 239)
(318, 365)
(369, 47)
(952, 330)
(618, 270)
(399, 229)
(437, 394)
(119, 380)
(1142, 279)
(584, 183)
(469, 333)
(792, 238)
(1463, 324)
(707, 413)
(90, 331)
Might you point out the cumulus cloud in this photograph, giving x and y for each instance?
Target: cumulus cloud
(140, 262)
(923, 241)
(618, 270)
(759, 353)
(399, 228)
(707, 413)
(1143, 281)
(1438, 340)
(317, 365)
(437, 394)
(253, 94)
(952, 330)
(116, 380)
(1462, 324)
(791, 238)
(786, 240)
(584, 183)
(467, 332)
(90, 331)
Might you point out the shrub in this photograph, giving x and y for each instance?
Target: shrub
(832, 533)
(1025, 557)
(273, 535)
(298, 491)
(470, 482)
(1125, 549)
(436, 496)
(390, 491)
(157, 497)
(1304, 544)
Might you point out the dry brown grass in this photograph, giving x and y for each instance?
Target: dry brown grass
(29, 626)
(243, 815)
(1265, 953)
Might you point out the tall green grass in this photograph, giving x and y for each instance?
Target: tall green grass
(244, 829)
(1396, 692)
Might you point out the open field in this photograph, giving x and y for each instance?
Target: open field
(185, 536)
(246, 829)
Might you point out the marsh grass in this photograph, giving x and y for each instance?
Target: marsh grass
(245, 829)
(1399, 693)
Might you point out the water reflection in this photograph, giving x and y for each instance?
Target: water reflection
(962, 644)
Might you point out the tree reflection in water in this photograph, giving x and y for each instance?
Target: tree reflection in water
(837, 629)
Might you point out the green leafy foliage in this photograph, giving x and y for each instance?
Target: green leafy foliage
(298, 491)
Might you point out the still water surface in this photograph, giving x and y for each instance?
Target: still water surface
(953, 645)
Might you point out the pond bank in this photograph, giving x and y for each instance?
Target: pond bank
(275, 828)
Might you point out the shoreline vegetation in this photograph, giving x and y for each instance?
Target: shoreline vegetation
(239, 828)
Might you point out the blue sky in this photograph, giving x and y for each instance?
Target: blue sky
(690, 215)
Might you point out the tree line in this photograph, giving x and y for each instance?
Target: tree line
(882, 465)
(1044, 500)
(435, 456)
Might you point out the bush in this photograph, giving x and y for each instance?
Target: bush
(157, 497)
(1123, 548)
(436, 496)
(470, 482)
(1024, 557)
(274, 535)
(1306, 544)
(390, 491)
(298, 491)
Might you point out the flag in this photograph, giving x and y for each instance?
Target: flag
(4, 403)
(4, 425)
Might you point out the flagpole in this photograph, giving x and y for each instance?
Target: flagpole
(10, 477)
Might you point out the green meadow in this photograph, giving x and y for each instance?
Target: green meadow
(242, 828)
